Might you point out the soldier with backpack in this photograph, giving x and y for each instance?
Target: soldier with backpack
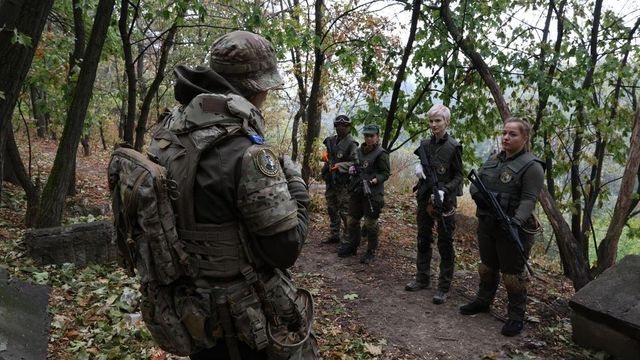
(214, 221)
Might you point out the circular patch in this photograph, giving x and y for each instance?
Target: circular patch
(365, 164)
(441, 169)
(506, 177)
(266, 161)
(339, 155)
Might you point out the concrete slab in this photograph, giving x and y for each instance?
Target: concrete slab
(24, 324)
(607, 311)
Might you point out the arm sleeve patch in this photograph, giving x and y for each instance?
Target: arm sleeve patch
(264, 200)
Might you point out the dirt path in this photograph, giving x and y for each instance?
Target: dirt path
(406, 320)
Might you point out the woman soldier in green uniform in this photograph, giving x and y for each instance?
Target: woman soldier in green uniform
(516, 177)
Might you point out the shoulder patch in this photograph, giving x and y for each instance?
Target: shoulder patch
(267, 162)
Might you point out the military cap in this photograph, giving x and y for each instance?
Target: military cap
(247, 61)
(371, 129)
(342, 119)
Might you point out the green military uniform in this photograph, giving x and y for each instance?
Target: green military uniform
(517, 181)
(373, 162)
(342, 152)
(241, 214)
(445, 157)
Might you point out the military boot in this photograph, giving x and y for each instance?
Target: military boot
(331, 240)
(416, 285)
(512, 327)
(346, 250)
(474, 307)
(439, 297)
(368, 257)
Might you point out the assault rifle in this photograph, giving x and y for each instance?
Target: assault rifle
(366, 189)
(428, 170)
(506, 221)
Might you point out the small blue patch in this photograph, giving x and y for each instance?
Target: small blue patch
(256, 139)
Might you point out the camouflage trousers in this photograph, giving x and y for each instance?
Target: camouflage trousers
(425, 250)
(220, 352)
(358, 208)
(500, 256)
(337, 197)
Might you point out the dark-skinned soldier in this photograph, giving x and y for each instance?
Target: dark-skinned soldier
(516, 177)
(444, 154)
(241, 215)
(338, 157)
(371, 170)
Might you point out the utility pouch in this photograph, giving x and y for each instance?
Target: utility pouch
(250, 322)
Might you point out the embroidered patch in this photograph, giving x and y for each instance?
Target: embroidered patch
(506, 177)
(365, 164)
(266, 162)
(441, 169)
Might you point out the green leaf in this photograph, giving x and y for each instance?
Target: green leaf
(350, 296)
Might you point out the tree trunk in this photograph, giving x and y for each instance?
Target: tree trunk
(393, 106)
(153, 88)
(102, 139)
(28, 17)
(36, 107)
(32, 191)
(578, 267)
(130, 70)
(314, 111)
(608, 249)
(86, 145)
(52, 205)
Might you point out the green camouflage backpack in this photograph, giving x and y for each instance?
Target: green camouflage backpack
(148, 242)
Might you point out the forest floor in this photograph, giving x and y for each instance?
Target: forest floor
(362, 311)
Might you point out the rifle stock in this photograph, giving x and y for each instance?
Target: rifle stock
(512, 231)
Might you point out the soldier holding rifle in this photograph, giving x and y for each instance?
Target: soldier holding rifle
(439, 183)
(371, 170)
(505, 191)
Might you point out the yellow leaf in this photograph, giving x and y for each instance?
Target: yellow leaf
(372, 349)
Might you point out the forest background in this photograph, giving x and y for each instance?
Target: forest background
(94, 73)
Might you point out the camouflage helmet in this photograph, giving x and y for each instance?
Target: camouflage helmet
(342, 119)
(247, 61)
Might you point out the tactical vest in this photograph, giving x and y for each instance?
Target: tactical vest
(341, 152)
(440, 156)
(368, 168)
(216, 250)
(505, 178)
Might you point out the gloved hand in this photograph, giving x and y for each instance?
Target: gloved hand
(335, 168)
(297, 187)
(352, 170)
(325, 156)
(420, 172)
(441, 195)
(480, 200)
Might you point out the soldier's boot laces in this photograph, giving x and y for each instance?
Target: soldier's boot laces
(416, 285)
(368, 257)
(512, 327)
(439, 297)
(331, 240)
(474, 307)
(346, 251)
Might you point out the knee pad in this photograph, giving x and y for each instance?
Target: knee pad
(486, 273)
(371, 224)
(516, 283)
